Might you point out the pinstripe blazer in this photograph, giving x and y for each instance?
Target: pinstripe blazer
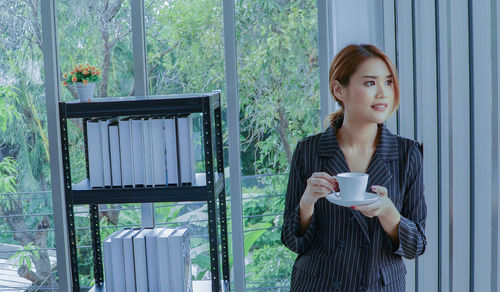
(343, 250)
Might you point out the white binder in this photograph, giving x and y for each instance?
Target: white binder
(159, 152)
(137, 152)
(141, 271)
(171, 149)
(181, 261)
(126, 152)
(164, 263)
(186, 154)
(128, 260)
(94, 146)
(114, 147)
(106, 162)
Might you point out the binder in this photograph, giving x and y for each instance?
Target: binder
(114, 147)
(141, 271)
(106, 162)
(164, 263)
(94, 145)
(181, 261)
(186, 154)
(152, 258)
(126, 160)
(108, 261)
(128, 260)
(148, 152)
(158, 152)
(171, 149)
(118, 260)
(137, 152)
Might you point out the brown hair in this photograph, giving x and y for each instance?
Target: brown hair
(345, 64)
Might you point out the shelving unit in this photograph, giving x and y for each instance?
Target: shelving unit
(213, 193)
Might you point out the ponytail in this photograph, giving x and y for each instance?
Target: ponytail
(333, 118)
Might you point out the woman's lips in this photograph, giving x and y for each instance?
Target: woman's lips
(380, 107)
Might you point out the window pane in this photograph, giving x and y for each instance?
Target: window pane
(277, 43)
(27, 249)
(185, 54)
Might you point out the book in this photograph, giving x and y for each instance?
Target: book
(171, 150)
(114, 149)
(148, 152)
(185, 149)
(94, 145)
(137, 151)
(181, 261)
(126, 160)
(108, 261)
(152, 258)
(118, 260)
(106, 162)
(164, 263)
(158, 152)
(141, 271)
(128, 260)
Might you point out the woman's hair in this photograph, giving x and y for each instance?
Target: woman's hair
(345, 64)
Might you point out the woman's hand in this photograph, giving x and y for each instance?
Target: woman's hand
(318, 186)
(384, 209)
(381, 207)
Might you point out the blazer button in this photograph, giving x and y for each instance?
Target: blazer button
(337, 285)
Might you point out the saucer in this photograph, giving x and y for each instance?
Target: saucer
(369, 198)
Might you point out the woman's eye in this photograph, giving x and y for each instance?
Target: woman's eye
(370, 83)
(389, 82)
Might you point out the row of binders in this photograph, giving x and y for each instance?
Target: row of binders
(148, 260)
(140, 152)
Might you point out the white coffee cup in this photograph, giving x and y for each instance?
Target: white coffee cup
(352, 186)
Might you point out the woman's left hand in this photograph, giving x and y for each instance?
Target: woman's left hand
(381, 207)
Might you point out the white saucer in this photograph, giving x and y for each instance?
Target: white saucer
(369, 198)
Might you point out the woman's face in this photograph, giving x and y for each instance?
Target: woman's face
(369, 97)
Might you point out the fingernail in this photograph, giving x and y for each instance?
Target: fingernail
(374, 187)
(352, 207)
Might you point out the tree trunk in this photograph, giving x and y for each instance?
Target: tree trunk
(282, 131)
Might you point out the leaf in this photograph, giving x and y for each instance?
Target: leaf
(252, 236)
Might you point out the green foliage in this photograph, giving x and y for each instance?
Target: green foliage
(26, 255)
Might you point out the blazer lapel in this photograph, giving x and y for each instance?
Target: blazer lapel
(378, 169)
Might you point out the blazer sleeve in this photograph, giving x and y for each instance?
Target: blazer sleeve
(412, 241)
(297, 183)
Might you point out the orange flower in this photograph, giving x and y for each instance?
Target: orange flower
(97, 73)
(85, 72)
(65, 75)
(65, 83)
(74, 79)
(85, 82)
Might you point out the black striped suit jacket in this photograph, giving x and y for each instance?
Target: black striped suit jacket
(342, 250)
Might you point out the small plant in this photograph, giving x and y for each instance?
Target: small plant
(82, 73)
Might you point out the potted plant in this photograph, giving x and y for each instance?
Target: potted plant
(83, 77)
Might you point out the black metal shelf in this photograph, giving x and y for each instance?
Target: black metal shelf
(143, 105)
(82, 193)
(213, 193)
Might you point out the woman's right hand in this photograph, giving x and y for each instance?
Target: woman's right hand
(318, 186)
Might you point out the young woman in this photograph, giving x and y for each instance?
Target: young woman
(358, 248)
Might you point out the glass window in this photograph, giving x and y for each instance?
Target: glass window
(27, 250)
(277, 44)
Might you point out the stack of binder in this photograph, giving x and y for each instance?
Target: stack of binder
(148, 260)
(141, 152)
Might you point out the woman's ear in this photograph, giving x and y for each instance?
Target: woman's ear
(338, 90)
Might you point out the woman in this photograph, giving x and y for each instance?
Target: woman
(358, 248)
